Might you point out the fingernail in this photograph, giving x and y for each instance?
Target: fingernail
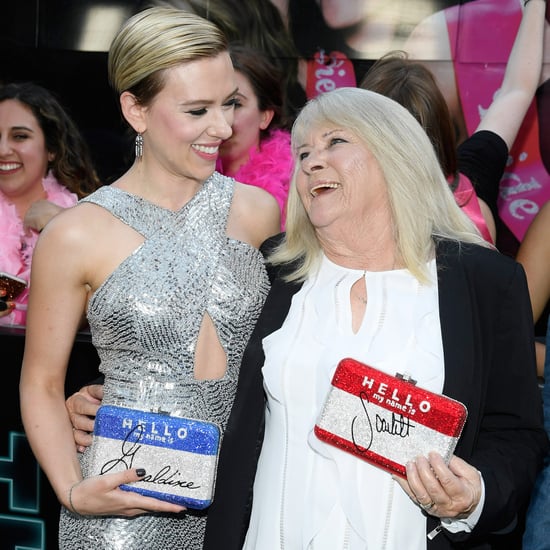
(140, 472)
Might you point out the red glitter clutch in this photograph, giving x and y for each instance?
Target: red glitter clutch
(387, 420)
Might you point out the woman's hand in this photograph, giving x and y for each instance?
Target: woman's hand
(40, 213)
(82, 407)
(451, 491)
(101, 495)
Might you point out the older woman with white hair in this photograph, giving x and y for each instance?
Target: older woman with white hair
(378, 263)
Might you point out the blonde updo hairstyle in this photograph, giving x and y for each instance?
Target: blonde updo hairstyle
(157, 39)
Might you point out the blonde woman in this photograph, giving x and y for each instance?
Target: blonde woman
(171, 279)
(379, 264)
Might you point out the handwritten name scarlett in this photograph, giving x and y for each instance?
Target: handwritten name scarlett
(362, 432)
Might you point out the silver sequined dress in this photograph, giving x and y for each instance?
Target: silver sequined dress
(145, 321)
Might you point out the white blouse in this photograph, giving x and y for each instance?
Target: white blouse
(308, 494)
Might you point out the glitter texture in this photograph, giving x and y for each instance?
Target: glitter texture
(385, 420)
(145, 321)
(178, 454)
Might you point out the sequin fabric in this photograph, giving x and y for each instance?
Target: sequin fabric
(145, 321)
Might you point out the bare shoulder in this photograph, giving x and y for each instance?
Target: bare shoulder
(81, 238)
(251, 194)
(255, 215)
(72, 226)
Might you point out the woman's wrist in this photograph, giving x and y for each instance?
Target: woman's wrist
(71, 506)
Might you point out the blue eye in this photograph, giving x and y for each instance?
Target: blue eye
(303, 156)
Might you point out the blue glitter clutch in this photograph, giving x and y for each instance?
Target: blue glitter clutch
(179, 454)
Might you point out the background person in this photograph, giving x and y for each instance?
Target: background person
(534, 255)
(171, 279)
(481, 159)
(258, 151)
(468, 65)
(45, 166)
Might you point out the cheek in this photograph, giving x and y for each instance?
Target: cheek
(246, 127)
(35, 153)
(301, 188)
(171, 126)
(239, 123)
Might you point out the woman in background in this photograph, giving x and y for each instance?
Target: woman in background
(534, 255)
(413, 86)
(45, 166)
(468, 65)
(258, 151)
(479, 161)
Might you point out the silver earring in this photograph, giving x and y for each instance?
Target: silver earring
(139, 146)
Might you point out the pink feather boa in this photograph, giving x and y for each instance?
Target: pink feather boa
(17, 244)
(270, 167)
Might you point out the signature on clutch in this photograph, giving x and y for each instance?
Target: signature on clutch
(129, 449)
(362, 427)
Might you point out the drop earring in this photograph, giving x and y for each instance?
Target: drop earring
(139, 146)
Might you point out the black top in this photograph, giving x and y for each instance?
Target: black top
(486, 326)
(482, 158)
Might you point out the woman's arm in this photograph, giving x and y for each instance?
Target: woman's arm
(63, 262)
(521, 78)
(40, 213)
(56, 304)
(534, 255)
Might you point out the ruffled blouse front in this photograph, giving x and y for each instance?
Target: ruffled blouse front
(307, 493)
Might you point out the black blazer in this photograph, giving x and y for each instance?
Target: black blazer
(487, 330)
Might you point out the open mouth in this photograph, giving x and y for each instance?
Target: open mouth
(322, 188)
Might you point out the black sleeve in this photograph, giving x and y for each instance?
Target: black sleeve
(482, 158)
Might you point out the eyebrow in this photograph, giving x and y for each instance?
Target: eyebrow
(207, 101)
(325, 135)
(22, 128)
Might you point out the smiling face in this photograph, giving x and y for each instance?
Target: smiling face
(248, 122)
(189, 118)
(340, 182)
(23, 155)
